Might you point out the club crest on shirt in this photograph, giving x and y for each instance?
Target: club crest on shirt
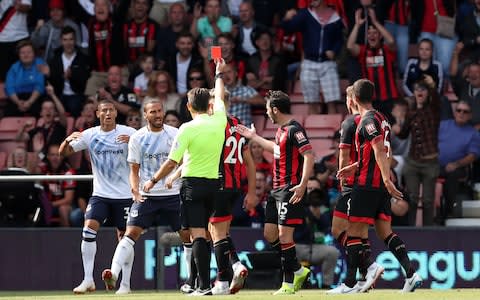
(371, 129)
(300, 137)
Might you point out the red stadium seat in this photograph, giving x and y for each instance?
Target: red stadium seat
(322, 126)
(9, 126)
(297, 99)
(271, 129)
(75, 159)
(299, 109)
(9, 146)
(321, 147)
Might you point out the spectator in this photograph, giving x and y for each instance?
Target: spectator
(161, 10)
(161, 86)
(105, 45)
(196, 79)
(469, 30)
(168, 35)
(261, 164)
(14, 30)
(265, 70)
(425, 23)
(87, 117)
(310, 237)
(48, 131)
(241, 96)
(400, 147)
(134, 118)
(147, 63)
(48, 36)
(397, 21)
(179, 64)
(139, 34)
(459, 146)
(321, 28)
(267, 12)
(468, 88)
(19, 158)
(172, 118)
(377, 59)
(252, 218)
(421, 165)
(246, 29)
(59, 193)
(69, 72)
(123, 97)
(417, 68)
(25, 83)
(209, 27)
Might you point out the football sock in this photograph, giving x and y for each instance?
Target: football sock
(289, 261)
(233, 252)
(187, 251)
(366, 260)
(222, 250)
(127, 266)
(354, 258)
(201, 256)
(276, 246)
(122, 255)
(88, 248)
(397, 247)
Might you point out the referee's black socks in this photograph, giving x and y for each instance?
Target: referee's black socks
(202, 260)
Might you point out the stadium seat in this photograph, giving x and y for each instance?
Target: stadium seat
(297, 99)
(299, 109)
(322, 126)
(75, 160)
(320, 145)
(9, 126)
(3, 160)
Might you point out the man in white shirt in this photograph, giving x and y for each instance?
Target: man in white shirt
(111, 197)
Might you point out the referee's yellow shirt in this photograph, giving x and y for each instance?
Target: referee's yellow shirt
(200, 143)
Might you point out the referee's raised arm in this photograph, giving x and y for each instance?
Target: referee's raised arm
(219, 90)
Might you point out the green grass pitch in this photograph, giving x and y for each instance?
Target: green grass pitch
(421, 294)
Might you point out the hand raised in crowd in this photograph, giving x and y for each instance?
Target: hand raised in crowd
(429, 81)
(358, 17)
(290, 14)
(50, 90)
(372, 15)
(202, 50)
(197, 10)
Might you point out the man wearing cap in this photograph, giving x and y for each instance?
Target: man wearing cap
(47, 36)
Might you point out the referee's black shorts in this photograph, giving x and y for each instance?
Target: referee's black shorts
(197, 196)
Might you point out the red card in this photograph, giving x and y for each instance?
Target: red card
(216, 52)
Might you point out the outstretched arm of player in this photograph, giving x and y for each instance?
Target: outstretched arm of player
(250, 200)
(134, 180)
(164, 170)
(173, 177)
(65, 149)
(251, 134)
(299, 190)
(384, 165)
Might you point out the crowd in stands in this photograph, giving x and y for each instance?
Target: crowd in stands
(59, 58)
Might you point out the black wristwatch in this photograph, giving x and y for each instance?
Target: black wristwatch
(153, 179)
(219, 75)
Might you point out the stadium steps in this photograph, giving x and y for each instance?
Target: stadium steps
(463, 222)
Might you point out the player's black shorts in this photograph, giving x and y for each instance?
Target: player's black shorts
(222, 205)
(143, 214)
(280, 211)
(366, 206)
(197, 196)
(115, 210)
(341, 207)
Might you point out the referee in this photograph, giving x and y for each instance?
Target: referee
(200, 143)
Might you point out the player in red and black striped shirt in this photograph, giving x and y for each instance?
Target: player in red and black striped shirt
(293, 162)
(235, 156)
(370, 199)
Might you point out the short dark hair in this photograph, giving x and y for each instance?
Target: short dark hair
(226, 35)
(24, 43)
(280, 100)
(426, 40)
(183, 34)
(105, 101)
(199, 99)
(401, 102)
(173, 113)
(364, 90)
(67, 30)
